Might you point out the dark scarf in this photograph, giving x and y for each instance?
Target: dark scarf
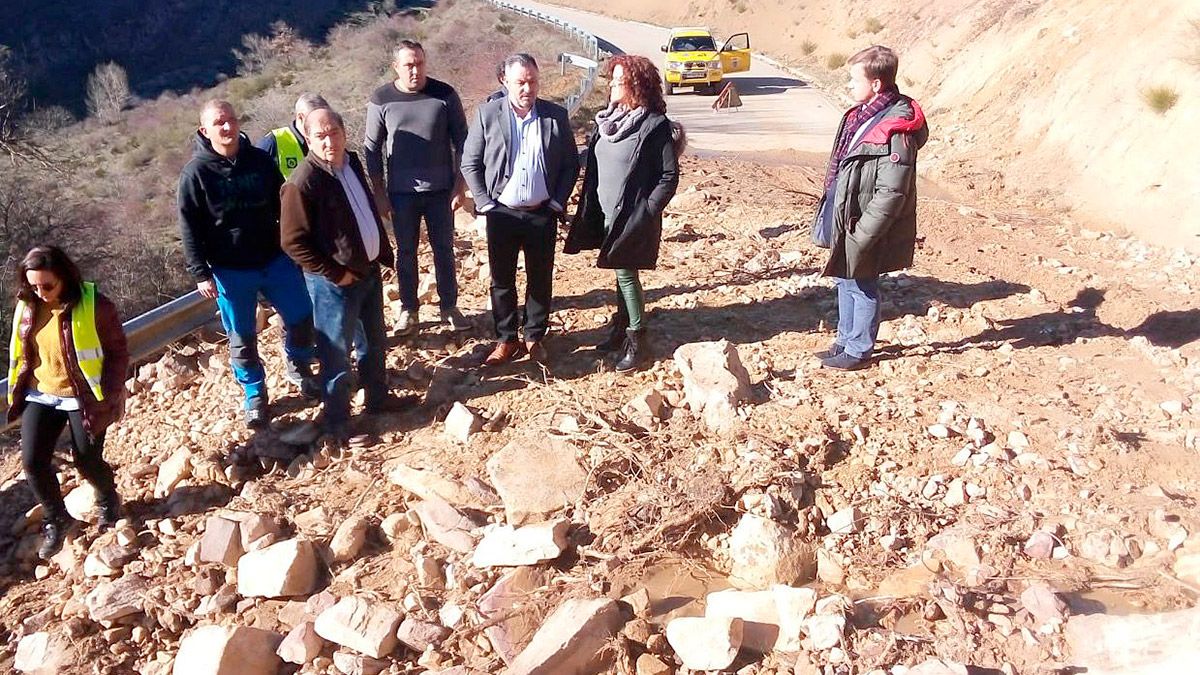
(855, 118)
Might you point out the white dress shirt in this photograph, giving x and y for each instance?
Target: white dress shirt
(357, 196)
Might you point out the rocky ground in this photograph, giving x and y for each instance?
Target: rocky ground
(1017, 470)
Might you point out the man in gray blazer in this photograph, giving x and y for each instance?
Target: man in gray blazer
(520, 163)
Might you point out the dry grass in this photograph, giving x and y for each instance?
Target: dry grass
(1160, 98)
(808, 47)
(872, 25)
(835, 60)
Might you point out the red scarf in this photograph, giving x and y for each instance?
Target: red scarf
(851, 123)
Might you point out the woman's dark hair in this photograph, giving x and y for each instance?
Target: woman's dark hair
(642, 81)
(50, 259)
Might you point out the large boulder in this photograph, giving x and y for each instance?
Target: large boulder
(1102, 644)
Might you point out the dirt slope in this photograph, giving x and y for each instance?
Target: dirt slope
(1043, 97)
(1017, 393)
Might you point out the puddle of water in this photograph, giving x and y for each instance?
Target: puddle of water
(678, 587)
(1104, 601)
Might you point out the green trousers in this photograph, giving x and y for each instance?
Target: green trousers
(631, 300)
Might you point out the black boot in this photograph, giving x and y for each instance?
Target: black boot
(54, 533)
(616, 333)
(633, 353)
(110, 509)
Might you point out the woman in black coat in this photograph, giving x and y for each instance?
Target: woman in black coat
(631, 173)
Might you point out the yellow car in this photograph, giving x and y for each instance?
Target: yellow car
(694, 59)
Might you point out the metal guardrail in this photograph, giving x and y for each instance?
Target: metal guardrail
(151, 332)
(574, 101)
(154, 330)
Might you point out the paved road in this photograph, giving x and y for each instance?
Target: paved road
(779, 112)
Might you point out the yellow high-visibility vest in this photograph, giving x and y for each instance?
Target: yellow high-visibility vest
(288, 152)
(83, 333)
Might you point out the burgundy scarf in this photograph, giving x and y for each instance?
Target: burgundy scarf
(855, 118)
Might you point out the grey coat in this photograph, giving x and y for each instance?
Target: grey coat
(875, 204)
(636, 234)
(485, 165)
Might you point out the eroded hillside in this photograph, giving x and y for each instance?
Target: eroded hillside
(1050, 99)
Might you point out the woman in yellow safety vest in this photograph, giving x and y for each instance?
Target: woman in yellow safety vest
(67, 365)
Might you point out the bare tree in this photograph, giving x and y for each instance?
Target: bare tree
(107, 92)
(12, 96)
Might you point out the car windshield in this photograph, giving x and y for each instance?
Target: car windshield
(695, 43)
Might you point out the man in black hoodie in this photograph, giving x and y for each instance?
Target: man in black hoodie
(229, 220)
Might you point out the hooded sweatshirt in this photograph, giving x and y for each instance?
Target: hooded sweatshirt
(229, 209)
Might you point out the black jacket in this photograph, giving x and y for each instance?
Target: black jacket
(636, 234)
(229, 209)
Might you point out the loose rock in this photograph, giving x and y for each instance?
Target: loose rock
(705, 643)
(536, 475)
(714, 381)
(362, 625)
(221, 650)
(570, 638)
(504, 546)
(765, 553)
(281, 570)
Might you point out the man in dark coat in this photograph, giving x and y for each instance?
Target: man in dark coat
(868, 215)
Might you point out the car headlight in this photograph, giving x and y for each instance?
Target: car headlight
(675, 65)
(714, 64)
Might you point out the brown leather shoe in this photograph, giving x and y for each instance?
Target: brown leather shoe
(537, 352)
(504, 352)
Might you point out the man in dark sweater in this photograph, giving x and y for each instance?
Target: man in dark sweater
(415, 134)
(229, 224)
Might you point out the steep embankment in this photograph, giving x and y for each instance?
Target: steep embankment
(1043, 97)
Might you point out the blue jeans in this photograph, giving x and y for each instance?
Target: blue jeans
(407, 209)
(337, 311)
(858, 315)
(282, 284)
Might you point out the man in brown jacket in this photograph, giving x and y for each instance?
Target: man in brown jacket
(331, 229)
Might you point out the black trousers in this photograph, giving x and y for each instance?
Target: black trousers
(41, 426)
(510, 232)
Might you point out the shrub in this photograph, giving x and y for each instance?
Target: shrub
(283, 47)
(808, 47)
(1160, 98)
(873, 25)
(835, 60)
(242, 89)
